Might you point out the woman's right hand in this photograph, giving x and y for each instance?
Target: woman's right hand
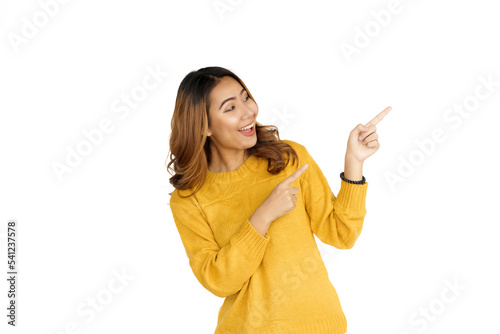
(282, 199)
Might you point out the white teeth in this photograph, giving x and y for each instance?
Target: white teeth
(246, 127)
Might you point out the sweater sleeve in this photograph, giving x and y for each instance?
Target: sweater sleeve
(336, 221)
(221, 270)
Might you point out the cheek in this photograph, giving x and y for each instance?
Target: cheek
(254, 106)
(231, 125)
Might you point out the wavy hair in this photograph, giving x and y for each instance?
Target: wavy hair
(189, 145)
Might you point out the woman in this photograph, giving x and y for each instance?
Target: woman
(246, 216)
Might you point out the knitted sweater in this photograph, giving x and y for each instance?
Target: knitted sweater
(276, 283)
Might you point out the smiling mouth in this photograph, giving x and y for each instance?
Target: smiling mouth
(252, 124)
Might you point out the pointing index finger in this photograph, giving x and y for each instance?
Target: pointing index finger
(379, 117)
(295, 175)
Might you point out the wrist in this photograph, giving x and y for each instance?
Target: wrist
(353, 168)
(260, 218)
(349, 157)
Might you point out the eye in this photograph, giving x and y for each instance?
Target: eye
(245, 100)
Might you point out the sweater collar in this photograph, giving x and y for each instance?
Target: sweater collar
(250, 165)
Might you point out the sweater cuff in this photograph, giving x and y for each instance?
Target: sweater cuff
(352, 196)
(250, 241)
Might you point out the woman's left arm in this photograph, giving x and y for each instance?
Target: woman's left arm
(335, 220)
(338, 220)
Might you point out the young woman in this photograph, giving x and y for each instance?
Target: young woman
(246, 215)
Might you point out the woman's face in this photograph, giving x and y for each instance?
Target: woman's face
(231, 109)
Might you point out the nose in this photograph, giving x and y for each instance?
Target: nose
(249, 113)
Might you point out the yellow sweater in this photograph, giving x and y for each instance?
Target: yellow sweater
(277, 283)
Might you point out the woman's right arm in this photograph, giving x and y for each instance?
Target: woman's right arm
(221, 270)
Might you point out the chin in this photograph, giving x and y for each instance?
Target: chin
(254, 142)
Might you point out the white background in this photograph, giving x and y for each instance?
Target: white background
(110, 212)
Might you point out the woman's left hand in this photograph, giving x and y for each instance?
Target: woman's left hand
(363, 141)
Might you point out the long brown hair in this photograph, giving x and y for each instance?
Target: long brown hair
(189, 143)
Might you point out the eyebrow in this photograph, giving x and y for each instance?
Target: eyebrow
(231, 98)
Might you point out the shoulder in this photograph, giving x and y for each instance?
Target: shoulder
(302, 153)
(176, 199)
(296, 146)
(299, 148)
